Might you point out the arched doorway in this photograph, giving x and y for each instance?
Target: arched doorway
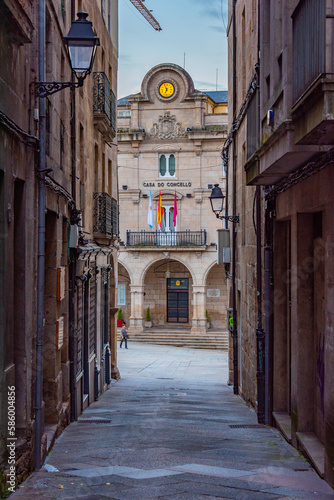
(216, 297)
(167, 292)
(123, 292)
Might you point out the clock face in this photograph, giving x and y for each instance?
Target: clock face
(166, 89)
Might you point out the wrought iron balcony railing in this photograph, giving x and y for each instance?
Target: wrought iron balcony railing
(105, 216)
(104, 106)
(162, 238)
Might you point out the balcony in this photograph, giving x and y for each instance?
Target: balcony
(313, 78)
(105, 217)
(148, 240)
(104, 106)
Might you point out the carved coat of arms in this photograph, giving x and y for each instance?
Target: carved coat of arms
(167, 128)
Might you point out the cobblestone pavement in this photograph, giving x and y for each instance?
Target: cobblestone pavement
(171, 428)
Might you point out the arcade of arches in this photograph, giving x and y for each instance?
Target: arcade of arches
(176, 293)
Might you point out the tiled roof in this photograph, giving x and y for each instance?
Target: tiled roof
(218, 95)
(123, 101)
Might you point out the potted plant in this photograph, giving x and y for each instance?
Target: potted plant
(208, 322)
(148, 322)
(119, 317)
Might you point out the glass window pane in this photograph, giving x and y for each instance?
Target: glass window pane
(121, 294)
(162, 169)
(172, 165)
(171, 223)
(80, 57)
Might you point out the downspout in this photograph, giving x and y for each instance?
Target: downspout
(260, 335)
(74, 215)
(234, 300)
(41, 239)
(269, 313)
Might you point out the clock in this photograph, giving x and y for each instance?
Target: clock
(166, 89)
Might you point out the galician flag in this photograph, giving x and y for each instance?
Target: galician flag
(160, 211)
(175, 210)
(150, 212)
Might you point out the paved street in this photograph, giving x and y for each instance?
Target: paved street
(172, 429)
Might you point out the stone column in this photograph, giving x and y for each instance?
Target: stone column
(199, 305)
(137, 301)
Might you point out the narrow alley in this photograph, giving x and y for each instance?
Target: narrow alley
(171, 428)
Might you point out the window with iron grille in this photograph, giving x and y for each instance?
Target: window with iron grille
(253, 125)
(105, 215)
(309, 23)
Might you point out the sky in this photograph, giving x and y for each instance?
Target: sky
(196, 28)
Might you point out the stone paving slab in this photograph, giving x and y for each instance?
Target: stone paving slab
(170, 437)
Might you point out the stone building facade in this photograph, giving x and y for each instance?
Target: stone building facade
(78, 284)
(169, 141)
(282, 142)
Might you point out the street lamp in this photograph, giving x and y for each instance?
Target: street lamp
(81, 43)
(217, 205)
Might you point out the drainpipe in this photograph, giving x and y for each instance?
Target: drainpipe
(74, 214)
(269, 285)
(260, 334)
(41, 239)
(234, 235)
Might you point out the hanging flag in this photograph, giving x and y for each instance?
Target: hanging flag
(175, 210)
(150, 212)
(160, 211)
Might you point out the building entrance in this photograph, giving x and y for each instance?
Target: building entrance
(177, 300)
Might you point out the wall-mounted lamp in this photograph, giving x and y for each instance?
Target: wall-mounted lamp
(217, 205)
(81, 44)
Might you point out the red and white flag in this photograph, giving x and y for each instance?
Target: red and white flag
(175, 210)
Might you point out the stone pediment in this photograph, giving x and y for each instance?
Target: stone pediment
(166, 128)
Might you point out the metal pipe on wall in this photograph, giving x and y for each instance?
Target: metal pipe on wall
(260, 334)
(41, 239)
(234, 242)
(73, 259)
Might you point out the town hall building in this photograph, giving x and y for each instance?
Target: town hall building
(170, 138)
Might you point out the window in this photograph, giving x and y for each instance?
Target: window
(124, 113)
(121, 294)
(167, 165)
(167, 223)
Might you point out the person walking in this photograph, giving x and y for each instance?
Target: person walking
(124, 335)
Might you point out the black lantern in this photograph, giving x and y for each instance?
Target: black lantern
(81, 43)
(217, 204)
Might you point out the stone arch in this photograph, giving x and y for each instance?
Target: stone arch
(165, 258)
(124, 291)
(157, 296)
(186, 78)
(216, 295)
(167, 192)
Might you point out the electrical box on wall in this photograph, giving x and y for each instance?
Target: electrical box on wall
(223, 246)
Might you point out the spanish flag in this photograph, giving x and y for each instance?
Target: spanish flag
(160, 211)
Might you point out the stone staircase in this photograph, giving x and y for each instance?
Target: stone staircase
(181, 337)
